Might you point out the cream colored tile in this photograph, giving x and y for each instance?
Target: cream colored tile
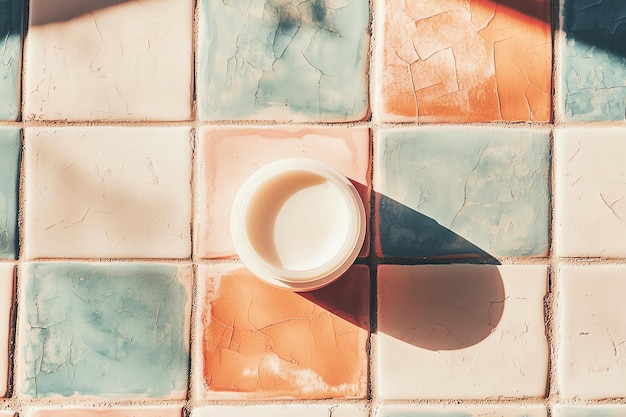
(101, 192)
(465, 411)
(7, 280)
(592, 331)
(461, 331)
(291, 410)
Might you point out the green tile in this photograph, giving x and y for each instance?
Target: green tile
(10, 150)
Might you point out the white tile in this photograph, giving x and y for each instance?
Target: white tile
(291, 410)
(466, 411)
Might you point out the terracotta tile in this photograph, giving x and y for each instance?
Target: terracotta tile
(599, 410)
(10, 149)
(109, 60)
(11, 12)
(7, 282)
(107, 192)
(590, 186)
(461, 331)
(262, 342)
(592, 73)
(592, 331)
(466, 411)
(286, 61)
(462, 191)
(228, 156)
(104, 330)
(291, 410)
(144, 411)
(456, 61)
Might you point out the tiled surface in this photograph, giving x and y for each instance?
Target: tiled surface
(315, 410)
(593, 60)
(261, 342)
(592, 331)
(107, 192)
(7, 282)
(461, 331)
(109, 60)
(456, 191)
(10, 58)
(467, 411)
(589, 411)
(10, 145)
(112, 412)
(285, 61)
(97, 330)
(453, 61)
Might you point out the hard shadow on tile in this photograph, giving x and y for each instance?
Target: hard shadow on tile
(55, 11)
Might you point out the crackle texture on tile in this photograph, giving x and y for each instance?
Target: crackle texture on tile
(593, 69)
(459, 191)
(115, 330)
(10, 58)
(283, 60)
(466, 411)
(592, 331)
(7, 282)
(599, 410)
(107, 192)
(590, 191)
(144, 411)
(291, 410)
(262, 342)
(228, 156)
(461, 331)
(464, 61)
(109, 60)
(10, 150)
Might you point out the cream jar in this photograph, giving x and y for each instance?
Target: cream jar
(298, 224)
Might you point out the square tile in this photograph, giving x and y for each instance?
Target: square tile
(10, 150)
(593, 60)
(590, 186)
(109, 60)
(599, 410)
(453, 61)
(114, 330)
(465, 411)
(144, 411)
(287, 61)
(592, 331)
(11, 12)
(260, 342)
(7, 282)
(107, 192)
(291, 410)
(462, 191)
(228, 156)
(461, 331)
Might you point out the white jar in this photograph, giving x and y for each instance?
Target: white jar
(298, 224)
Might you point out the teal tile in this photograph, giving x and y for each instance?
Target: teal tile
(10, 149)
(590, 411)
(109, 330)
(458, 191)
(594, 60)
(287, 60)
(10, 57)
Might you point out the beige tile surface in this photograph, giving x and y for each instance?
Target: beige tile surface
(291, 410)
(7, 280)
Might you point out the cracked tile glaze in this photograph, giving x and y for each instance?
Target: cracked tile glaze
(461, 331)
(590, 191)
(593, 60)
(109, 60)
(7, 282)
(592, 332)
(462, 191)
(10, 152)
(464, 61)
(228, 156)
(108, 192)
(466, 411)
(10, 58)
(600, 410)
(97, 330)
(291, 410)
(262, 342)
(283, 60)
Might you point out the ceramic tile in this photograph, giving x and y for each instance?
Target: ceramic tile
(590, 186)
(10, 58)
(114, 330)
(291, 410)
(7, 281)
(592, 331)
(144, 411)
(600, 410)
(593, 69)
(286, 61)
(109, 60)
(228, 156)
(262, 342)
(454, 61)
(10, 149)
(462, 191)
(461, 331)
(465, 411)
(107, 192)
